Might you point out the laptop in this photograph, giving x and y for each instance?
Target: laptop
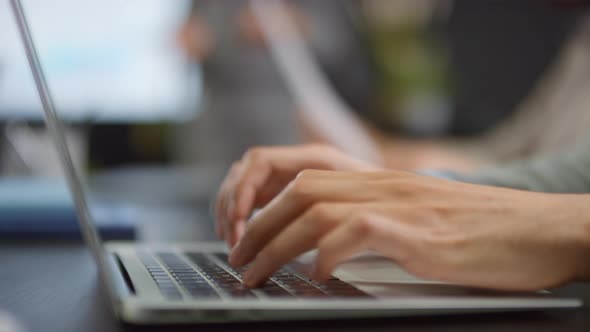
(192, 282)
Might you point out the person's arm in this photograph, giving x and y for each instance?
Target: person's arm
(437, 229)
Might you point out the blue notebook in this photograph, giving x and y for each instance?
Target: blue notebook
(43, 208)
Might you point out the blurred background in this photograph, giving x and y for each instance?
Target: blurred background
(160, 96)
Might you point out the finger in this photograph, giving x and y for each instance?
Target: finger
(259, 164)
(369, 232)
(297, 238)
(283, 164)
(272, 188)
(287, 206)
(263, 226)
(237, 230)
(221, 202)
(268, 192)
(256, 172)
(255, 188)
(227, 222)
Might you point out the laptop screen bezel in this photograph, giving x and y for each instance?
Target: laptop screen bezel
(55, 127)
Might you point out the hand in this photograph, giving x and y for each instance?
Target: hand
(436, 229)
(195, 38)
(262, 173)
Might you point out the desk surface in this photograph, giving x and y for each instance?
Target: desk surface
(54, 287)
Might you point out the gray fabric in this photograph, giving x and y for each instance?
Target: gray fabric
(246, 102)
(564, 172)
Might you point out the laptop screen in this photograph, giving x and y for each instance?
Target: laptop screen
(106, 61)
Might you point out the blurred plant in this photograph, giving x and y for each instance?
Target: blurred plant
(411, 62)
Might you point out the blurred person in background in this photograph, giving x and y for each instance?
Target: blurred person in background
(246, 103)
(463, 84)
(419, 74)
(526, 79)
(421, 77)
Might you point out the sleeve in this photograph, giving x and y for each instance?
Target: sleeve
(563, 172)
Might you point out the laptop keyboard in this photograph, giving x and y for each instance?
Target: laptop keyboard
(161, 277)
(193, 283)
(229, 282)
(205, 278)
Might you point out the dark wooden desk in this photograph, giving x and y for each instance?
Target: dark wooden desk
(54, 287)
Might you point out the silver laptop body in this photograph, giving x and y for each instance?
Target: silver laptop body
(143, 290)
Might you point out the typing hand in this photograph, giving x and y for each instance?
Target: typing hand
(262, 173)
(461, 233)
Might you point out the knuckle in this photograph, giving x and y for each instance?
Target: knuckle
(454, 245)
(322, 147)
(319, 215)
(229, 179)
(433, 239)
(299, 188)
(305, 175)
(233, 170)
(442, 239)
(255, 153)
(447, 251)
(241, 185)
(403, 188)
(321, 211)
(362, 226)
(444, 211)
(234, 166)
